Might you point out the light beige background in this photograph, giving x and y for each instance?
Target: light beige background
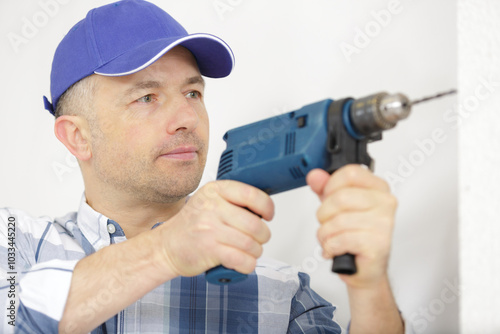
(288, 54)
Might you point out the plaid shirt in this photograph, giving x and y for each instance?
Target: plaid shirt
(274, 299)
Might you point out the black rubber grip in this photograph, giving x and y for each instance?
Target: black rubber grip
(344, 264)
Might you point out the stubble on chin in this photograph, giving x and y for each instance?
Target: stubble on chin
(143, 177)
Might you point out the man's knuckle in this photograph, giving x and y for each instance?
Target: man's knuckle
(352, 172)
(247, 244)
(390, 201)
(393, 201)
(250, 194)
(211, 189)
(385, 185)
(233, 259)
(267, 234)
(386, 221)
(340, 197)
(320, 214)
(341, 221)
(253, 225)
(259, 250)
(323, 233)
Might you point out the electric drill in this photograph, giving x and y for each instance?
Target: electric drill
(275, 154)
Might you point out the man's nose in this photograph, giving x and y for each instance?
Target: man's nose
(182, 116)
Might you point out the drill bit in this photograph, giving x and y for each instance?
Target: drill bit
(453, 91)
(382, 111)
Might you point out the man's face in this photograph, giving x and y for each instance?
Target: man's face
(150, 139)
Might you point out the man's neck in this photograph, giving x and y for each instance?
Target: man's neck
(134, 216)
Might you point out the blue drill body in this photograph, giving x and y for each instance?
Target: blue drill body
(275, 154)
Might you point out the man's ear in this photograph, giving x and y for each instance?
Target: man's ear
(73, 132)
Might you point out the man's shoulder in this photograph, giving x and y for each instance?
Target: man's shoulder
(13, 213)
(38, 239)
(22, 217)
(25, 223)
(21, 220)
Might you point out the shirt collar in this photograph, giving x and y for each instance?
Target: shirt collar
(93, 225)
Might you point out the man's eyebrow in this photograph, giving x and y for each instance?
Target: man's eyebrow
(196, 80)
(142, 85)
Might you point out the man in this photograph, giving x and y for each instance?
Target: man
(128, 96)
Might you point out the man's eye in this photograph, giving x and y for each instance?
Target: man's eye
(146, 99)
(194, 95)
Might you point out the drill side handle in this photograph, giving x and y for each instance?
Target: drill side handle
(345, 148)
(342, 146)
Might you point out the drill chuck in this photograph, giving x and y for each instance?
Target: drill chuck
(375, 113)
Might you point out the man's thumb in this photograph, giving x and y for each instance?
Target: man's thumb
(317, 180)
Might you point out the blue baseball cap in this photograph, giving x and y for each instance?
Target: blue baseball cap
(125, 37)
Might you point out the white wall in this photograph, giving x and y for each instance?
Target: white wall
(479, 78)
(288, 54)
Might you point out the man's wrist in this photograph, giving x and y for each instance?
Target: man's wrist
(374, 308)
(161, 270)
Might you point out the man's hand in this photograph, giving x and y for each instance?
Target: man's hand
(357, 217)
(214, 227)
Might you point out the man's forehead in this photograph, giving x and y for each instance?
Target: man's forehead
(151, 77)
(175, 54)
(152, 83)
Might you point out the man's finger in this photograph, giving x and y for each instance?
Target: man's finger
(355, 200)
(347, 222)
(354, 176)
(245, 196)
(236, 259)
(246, 222)
(317, 180)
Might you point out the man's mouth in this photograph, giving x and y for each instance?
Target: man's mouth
(182, 153)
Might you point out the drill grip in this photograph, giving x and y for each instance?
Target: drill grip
(344, 264)
(221, 275)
